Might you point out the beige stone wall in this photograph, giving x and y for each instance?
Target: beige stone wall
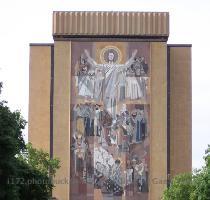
(61, 117)
(158, 135)
(180, 110)
(39, 97)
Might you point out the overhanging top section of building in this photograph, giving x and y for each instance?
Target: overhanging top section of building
(110, 24)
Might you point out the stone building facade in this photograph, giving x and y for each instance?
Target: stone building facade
(112, 100)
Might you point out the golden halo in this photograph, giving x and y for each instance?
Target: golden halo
(104, 54)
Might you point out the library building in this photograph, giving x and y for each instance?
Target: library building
(112, 100)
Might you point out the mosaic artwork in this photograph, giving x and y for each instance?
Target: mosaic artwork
(110, 120)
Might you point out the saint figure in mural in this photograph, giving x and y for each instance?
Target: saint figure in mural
(109, 75)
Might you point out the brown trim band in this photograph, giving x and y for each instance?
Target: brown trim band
(106, 38)
(179, 45)
(41, 44)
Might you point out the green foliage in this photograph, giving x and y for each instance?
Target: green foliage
(34, 174)
(201, 180)
(31, 183)
(25, 172)
(192, 186)
(40, 160)
(11, 137)
(180, 188)
(11, 144)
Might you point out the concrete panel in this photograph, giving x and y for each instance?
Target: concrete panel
(158, 137)
(39, 96)
(180, 110)
(61, 115)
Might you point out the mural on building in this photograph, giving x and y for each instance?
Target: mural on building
(110, 124)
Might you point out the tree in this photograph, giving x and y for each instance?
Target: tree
(191, 186)
(11, 144)
(35, 171)
(25, 172)
(180, 188)
(40, 160)
(201, 180)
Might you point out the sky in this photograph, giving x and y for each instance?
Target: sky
(26, 21)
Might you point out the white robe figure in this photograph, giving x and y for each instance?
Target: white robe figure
(135, 88)
(86, 85)
(98, 85)
(103, 161)
(112, 76)
(129, 176)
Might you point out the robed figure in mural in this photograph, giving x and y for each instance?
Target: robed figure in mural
(108, 77)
